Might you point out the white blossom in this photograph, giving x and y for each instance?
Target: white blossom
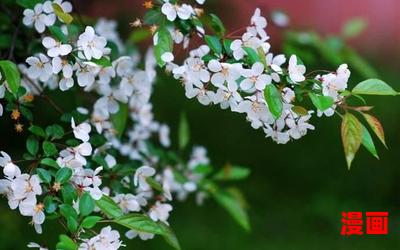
(92, 45)
(56, 48)
(108, 239)
(143, 236)
(167, 57)
(260, 24)
(141, 174)
(81, 131)
(2, 93)
(65, 6)
(38, 18)
(40, 67)
(278, 136)
(89, 181)
(9, 168)
(224, 72)
(86, 74)
(171, 11)
(160, 211)
(75, 157)
(298, 126)
(255, 77)
(129, 202)
(35, 245)
(164, 135)
(110, 160)
(61, 65)
(296, 71)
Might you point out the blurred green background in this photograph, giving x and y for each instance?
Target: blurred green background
(296, 192)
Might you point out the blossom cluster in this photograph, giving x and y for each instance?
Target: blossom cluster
(97, 161)
(243, 75)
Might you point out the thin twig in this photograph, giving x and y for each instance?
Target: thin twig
(45, 97)
(13, 41)
(52, 103)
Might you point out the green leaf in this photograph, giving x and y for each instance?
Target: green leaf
(32, 145)
(55, 131)
(97, 140)
(163, 45)
(154, 184)
(351, 132)
(49, 204)
(261, 56)
(58, 33)
(203, 169)
(139, 35)
(36, 130)
(25, 112)
(252, 55)
(153, 17)
(68, 211)
(273, 98)
(66, 243)
(68, 193)
(86, 204)
(232, 173)
(11, 73)
(183, 132)
(44, 175)
(49, 148)
(376, 126)
(233, 206)
(169, 235)
(109, 207)
(65, 17)
(373, 87)
(143, 223)
(104, 61)
(114, 50)
(50, 162)
(120, 119)
(227, 46)
(354, 27)
(321, 102)
(139, 222)
(90, 221)
(63, 175)
(214, 43)
(217, 25)
(72, 224)
(368, 143)
(300, 110)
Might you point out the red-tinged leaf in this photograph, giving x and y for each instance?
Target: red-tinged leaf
(351, 136)
(376, 126)
(364, 108)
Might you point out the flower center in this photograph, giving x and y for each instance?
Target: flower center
(39, 207)
(225, 71)
(255, 107)
(40, 65)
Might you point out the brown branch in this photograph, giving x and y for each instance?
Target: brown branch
(52, 103)
(45, 97)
